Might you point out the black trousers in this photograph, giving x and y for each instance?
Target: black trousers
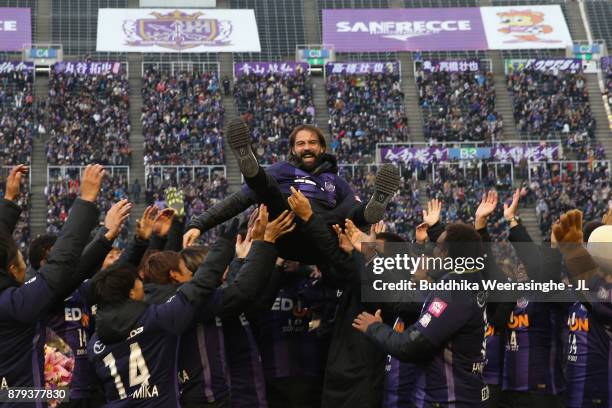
(516, 399)
(294, 246)
(294, 392)
(222, 403)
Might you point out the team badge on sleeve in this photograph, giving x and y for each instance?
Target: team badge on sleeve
(437, 307)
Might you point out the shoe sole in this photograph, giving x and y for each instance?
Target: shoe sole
(238, 138)
(386, 185)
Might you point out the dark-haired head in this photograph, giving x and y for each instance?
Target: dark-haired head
(39, 250)
(11, 260)
(117, 284)
(193, 256)
(166, 267)
(461, 241)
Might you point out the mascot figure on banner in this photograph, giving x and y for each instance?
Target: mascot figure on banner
(524, 26)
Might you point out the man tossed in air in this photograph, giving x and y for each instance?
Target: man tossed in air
(308, 169)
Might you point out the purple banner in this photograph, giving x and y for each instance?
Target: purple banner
(15, 28)
(450, 65)
(413, 154)
(531, 153)
(499, 153)
(431, 29)
(606, 63)
(362, 68)
(545, 64)
(10, 66)
(265, 68)
(88, 68)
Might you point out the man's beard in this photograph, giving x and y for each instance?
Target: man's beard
(308, 166)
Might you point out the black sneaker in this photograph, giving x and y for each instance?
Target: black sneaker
(386, 184)
(238, 138)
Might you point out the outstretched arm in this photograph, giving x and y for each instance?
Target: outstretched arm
(9, 210)
(223, 211)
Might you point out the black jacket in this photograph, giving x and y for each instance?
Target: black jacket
(22, 306)
(354, 373)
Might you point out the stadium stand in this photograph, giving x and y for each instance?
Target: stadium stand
(273, 105)
(63, 187)
(281, 29)
(182, 117)
(75, 23)
(18, 117)
(365, 110)
(550, 105)
(202, 186)
(459, 106)
(563, 186)
(599, 12)
(90, 119)
(404, 211)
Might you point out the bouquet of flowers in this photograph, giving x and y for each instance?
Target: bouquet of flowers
(59, 364)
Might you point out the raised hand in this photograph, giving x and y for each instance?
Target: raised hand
(259, 227)
(300, 204)
(343, 240)
(511, 210)
(431, 216)
(421, 233)
(243, 245)
(358, 237)
(144, 226)
(13, 182)
(486, 208)
(163, 222)
(365, 319)
(569, 228)
(190, 237)
(282, 225)
(91, 182)
(116, 217)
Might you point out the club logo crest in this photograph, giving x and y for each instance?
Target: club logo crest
(177, 30)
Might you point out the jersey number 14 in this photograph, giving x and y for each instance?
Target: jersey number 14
(139, 372)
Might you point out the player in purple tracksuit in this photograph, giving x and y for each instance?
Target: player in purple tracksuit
(23, 307)
(292, 354)
(589, 355)
(309, 170)
(448, 340)
(248, 387)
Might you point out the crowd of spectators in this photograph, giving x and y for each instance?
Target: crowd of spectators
(182, 117)
(200, 190)
(458, 106)
(461, 191)
(273, 105)
(88, 119)
(365, 110)
(556, 190)
(18, 118)
(404, 211)
(552, 105)
(62, 190)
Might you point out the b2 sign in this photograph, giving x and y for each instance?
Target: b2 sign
(177, 30)
(446, 29)
(15, 28)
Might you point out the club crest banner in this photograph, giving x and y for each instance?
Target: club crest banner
(177, 30)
